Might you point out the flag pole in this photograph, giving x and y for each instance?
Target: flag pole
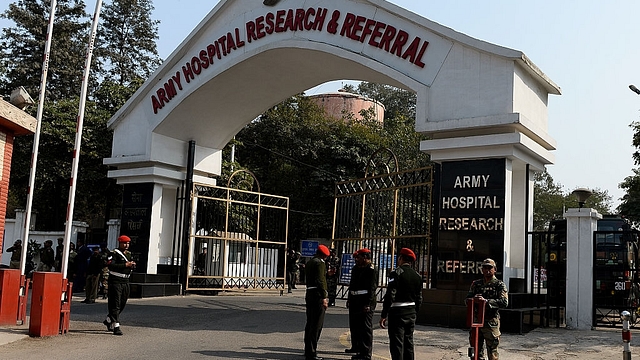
(36, 141)
(76, 150)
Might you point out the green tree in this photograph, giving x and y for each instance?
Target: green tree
(630, 204)
(22, 47)
(126, 45)
(132, 56)
(550, 200)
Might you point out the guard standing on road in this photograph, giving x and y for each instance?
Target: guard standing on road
(16, 252)
(401, 305)
(361, 302)
(120, 268)
(494, 291)
(333, 264)
(317, 301)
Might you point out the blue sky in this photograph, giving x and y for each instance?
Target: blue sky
(588, 47)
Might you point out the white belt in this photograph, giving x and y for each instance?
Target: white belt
(402, 304)
(125, 276)
(312, 287)
(359, 292)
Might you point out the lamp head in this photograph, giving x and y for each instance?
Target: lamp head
(634, 89)
(582, 194)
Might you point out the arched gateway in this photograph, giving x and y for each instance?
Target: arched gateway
(484, 105)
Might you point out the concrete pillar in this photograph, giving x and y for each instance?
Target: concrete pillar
(581, 223)
(113, 233)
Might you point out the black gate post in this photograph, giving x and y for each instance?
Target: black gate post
(186, 233)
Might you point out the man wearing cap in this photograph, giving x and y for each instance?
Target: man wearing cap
(16, 253)
(120, 268)
(317, 301)
(361, 302)
(494, 292)
(401, 305)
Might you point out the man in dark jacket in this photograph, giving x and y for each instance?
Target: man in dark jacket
(317, 301)
(93, 275)
(401, 305)
(120, 268)
(361, 302)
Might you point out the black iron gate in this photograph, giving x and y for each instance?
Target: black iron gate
(616, 285)
(384, 211)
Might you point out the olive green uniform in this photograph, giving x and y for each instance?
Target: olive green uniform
(495, 292)
(315, 271)
(401, 305)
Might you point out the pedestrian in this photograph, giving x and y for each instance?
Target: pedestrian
(361, 303)
(16, 253)
(494, 292)
(59, 252)
(81, 263)
(120, 268)
(292, 269)
(47, 257)
(104, 274)
(93, 276)
(71, 264)
(401, 305)
(316, 300)
(332, 277)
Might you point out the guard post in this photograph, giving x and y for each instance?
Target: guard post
(475, 320)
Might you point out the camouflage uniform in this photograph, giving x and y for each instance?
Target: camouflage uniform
(332, 278)
(104, 275)
(495, 292)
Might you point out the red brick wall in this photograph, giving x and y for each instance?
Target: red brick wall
(6, 150)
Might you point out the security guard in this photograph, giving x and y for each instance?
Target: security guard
(120, 268)
(401, 305)
(361, 302)
(494, 291)
(317, 301)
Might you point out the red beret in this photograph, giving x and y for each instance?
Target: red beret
(124, 238)
(408, 253)
(322, 249)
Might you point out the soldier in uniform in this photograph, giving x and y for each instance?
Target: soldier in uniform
(494, 291)
(401, 305)
(120, 268)
(316, 300)
(47, 257)
(104, 274)
(292, 269)
(361, 302)
(59, 252)
(332, 277)
(16, 253)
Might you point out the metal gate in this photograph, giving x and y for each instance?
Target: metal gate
(616, 282)
(384, 211)
(238, 237)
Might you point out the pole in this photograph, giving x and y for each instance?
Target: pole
(76, 151)
(24, 283)
(36, 140)
(626, 335)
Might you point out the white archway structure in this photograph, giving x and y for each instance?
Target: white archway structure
(478, 100)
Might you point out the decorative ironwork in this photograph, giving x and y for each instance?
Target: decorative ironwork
(238, 237)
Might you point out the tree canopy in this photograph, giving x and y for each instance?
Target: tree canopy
(125, 54)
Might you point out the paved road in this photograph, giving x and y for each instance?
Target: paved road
(267, 326)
